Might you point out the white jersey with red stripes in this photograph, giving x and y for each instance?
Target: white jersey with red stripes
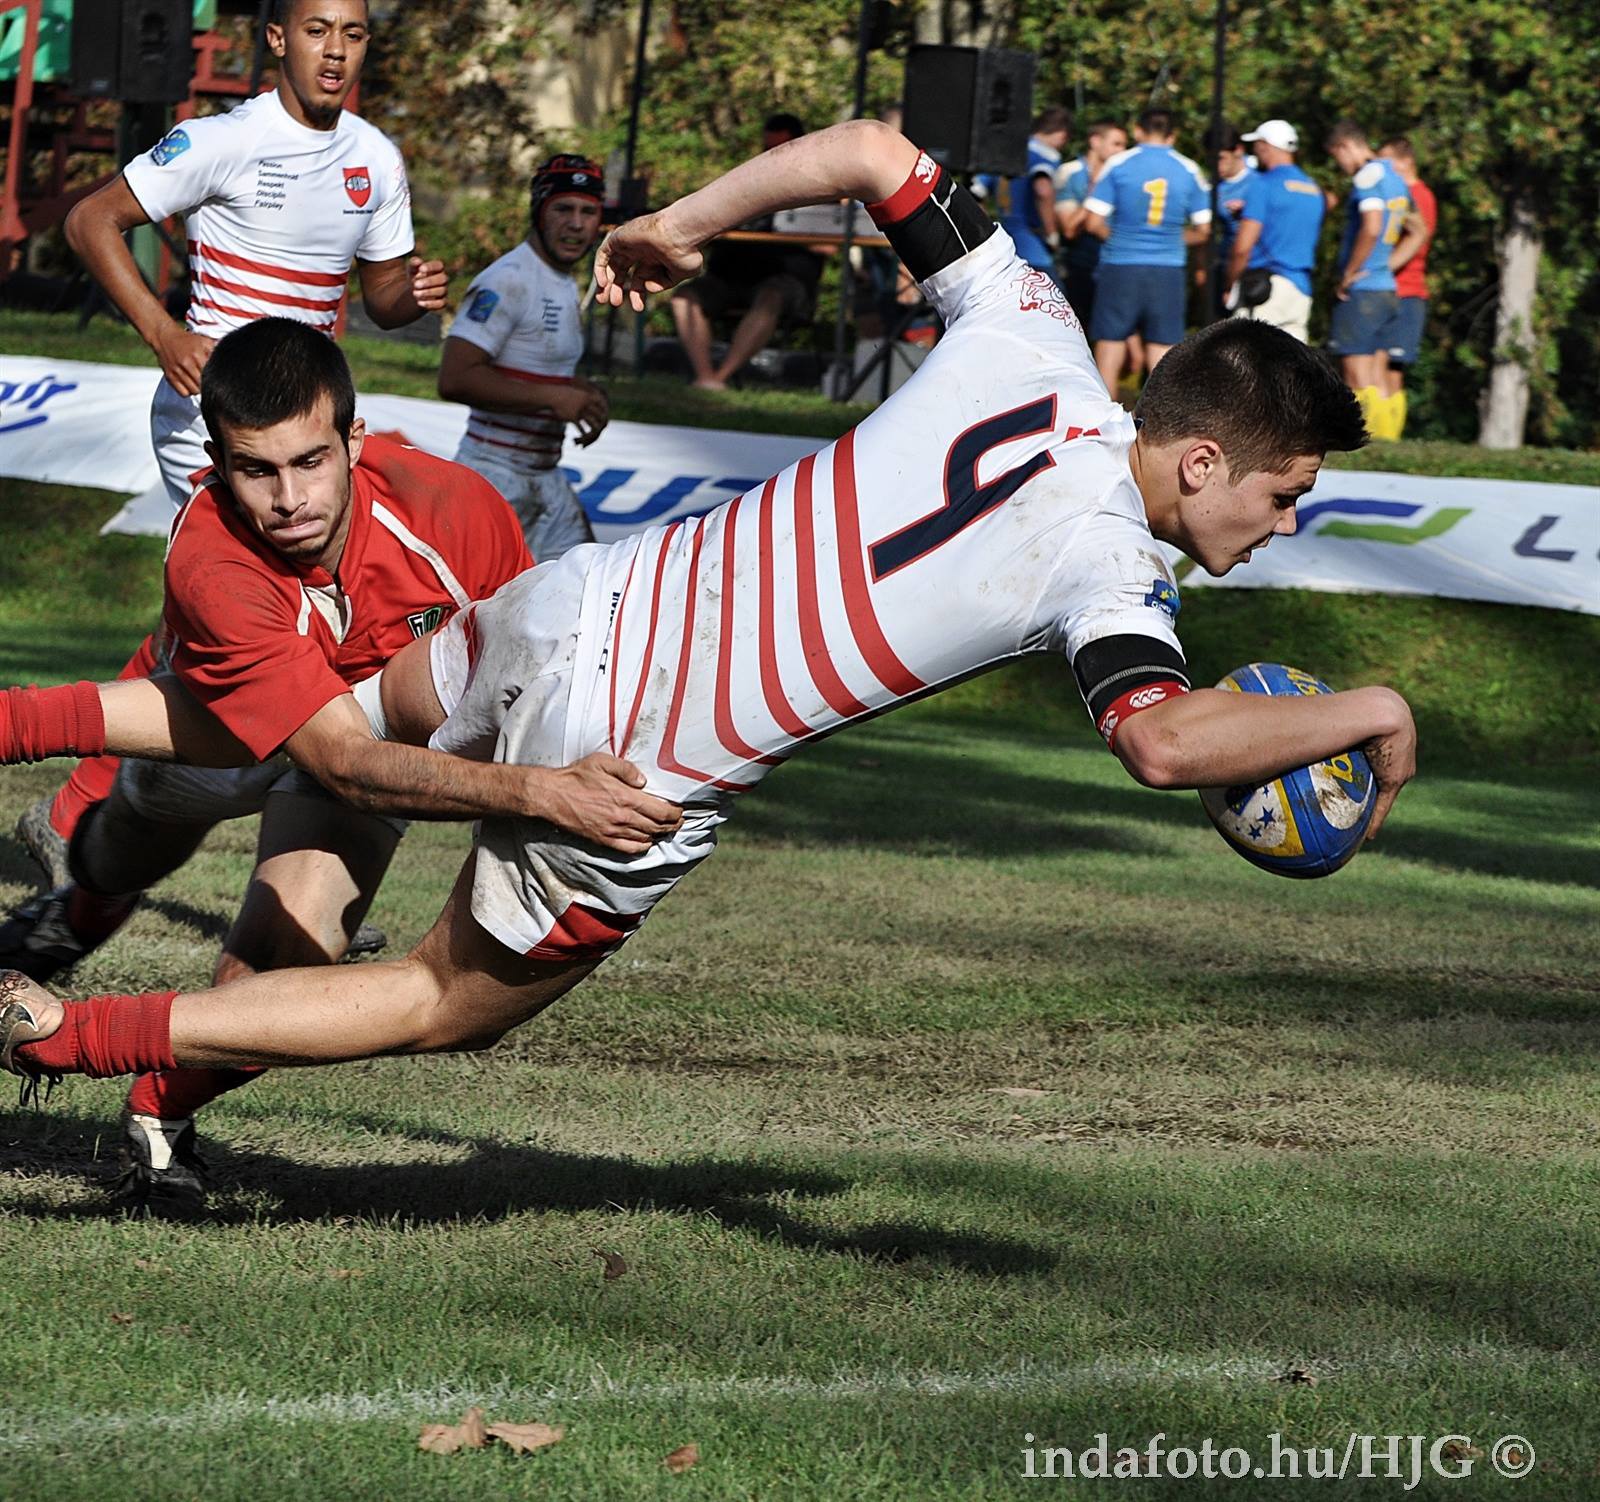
(986, 509)
(275, 211)
(523, 313)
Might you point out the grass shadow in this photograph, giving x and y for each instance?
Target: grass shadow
(498, 1179)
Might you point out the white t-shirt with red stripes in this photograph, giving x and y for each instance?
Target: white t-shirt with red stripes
(524, 314)
(275, 212)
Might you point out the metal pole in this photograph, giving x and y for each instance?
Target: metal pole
(627, 192)
(1219, 57)
(863, 47)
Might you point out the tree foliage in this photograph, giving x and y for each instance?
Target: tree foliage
(1496, 95)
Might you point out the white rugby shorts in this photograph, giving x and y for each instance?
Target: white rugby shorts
(518, 679)
(178, 435)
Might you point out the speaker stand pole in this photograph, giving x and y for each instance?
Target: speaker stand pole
(1219, 57)
(863, 47)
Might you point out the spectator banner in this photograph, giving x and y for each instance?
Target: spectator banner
(71, 423)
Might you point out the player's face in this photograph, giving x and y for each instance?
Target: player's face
(322, 44)
(292, 482)
(1350, 157)
(1108, 143)
(569, 223)
(1229, 519)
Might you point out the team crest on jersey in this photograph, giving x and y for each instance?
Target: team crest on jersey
(482, 304)
(358, 184)
(1038, 293)
(422, 622)
(1163, 596)
(171, 145)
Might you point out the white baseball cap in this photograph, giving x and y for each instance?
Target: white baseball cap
(1279, 133)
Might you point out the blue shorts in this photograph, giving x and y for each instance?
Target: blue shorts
(1148, 300)
(1409, 320)
(1365, 323)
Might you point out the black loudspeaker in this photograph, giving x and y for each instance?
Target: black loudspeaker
(970, 108)
(138, 51)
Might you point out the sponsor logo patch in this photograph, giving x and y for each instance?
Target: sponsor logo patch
(926, 169)
(358, 184)
(171, 145)
(482, 305)
(1145, 697)
(1163, 596)
(422, 622)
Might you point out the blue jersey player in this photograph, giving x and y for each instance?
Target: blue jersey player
(1280, 224)
(1365, 324)
(1149, 205)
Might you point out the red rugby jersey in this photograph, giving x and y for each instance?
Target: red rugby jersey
(265, 643)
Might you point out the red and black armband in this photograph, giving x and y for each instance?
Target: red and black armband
(40, 722)
(931, 220)
(1121, 675)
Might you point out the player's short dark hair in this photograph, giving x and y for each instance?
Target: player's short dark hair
(1222, 135)
(783, 123)
(1052, 117)
(273, 370)
(1157, 122)
(1100, 127)
(1400, 146)
(283, 10)
(1345, 130)
(1257, 391)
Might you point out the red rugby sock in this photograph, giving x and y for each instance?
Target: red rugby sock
(40, 722)
(108, 1035)
(91, 780)
(175, 1093)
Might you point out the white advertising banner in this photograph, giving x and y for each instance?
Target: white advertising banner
(71, 423)
(1516, 543)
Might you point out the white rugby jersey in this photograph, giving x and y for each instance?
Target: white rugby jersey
(986, 509)
(275, 211)
(524, 314)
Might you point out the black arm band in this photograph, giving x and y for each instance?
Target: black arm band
(1111, 667)
(942, 228)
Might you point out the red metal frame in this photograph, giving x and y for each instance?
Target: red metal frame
(27, 213)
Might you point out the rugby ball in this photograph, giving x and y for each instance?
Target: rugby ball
(1308, 822)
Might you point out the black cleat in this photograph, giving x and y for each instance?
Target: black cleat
(39, 838)
(369, 939)
(162, 1173)
(37, 939)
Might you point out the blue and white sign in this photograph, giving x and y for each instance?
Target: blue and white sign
(71, 423)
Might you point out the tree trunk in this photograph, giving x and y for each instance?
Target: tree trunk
(1504, 412)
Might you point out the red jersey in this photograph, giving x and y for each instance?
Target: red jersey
(1411, 280)
(265, 643)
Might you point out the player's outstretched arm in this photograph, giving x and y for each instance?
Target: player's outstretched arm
(1211, 738)
(153, 718)
(600, 798)
(862, 159)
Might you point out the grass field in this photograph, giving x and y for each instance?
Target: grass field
(970, 1093)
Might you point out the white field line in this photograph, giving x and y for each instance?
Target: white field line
(445, 1400)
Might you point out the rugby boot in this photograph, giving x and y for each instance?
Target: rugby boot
(162, 1173)
(369, 939)
(39, 838)
(23, 1020)
(40, 940)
